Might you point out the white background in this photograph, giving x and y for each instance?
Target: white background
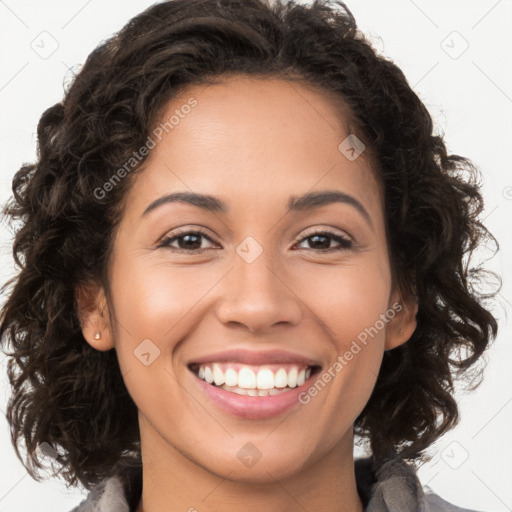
(469, 95)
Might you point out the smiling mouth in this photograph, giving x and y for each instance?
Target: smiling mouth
(251, 380)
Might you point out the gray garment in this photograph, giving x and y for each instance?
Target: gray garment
(393, 487)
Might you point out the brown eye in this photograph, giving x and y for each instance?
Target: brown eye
(189, 241)
(321, 241)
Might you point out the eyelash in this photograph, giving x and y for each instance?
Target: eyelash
(345, 243)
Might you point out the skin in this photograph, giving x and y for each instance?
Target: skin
(252, 143)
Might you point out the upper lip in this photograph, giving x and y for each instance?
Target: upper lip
(252, 357)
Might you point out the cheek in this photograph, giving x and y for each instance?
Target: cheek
(151, 298)
(348, 299)
(351, 302)
(157, 306)
(154, 311)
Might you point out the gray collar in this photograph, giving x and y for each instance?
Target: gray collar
(391, 487)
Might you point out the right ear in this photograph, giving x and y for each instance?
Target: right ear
(94, 316)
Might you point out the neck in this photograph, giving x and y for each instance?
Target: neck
(175, 483)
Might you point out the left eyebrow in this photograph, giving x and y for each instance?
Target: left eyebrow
(317, 199)
(308, 201)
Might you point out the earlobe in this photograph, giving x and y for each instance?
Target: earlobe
(94, 318)
(403, 325)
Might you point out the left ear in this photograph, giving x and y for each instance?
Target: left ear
(402, 326)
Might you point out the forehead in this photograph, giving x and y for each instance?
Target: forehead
(253, 141)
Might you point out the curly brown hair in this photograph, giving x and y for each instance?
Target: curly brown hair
(71, 396)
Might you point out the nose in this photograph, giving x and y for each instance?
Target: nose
(258, 296)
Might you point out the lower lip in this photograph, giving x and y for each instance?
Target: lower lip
(253, 407)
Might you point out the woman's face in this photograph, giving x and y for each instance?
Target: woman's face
(256, 298)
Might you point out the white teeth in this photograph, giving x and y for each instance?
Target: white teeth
(253, 381)
(208, 375)
(246, 378)
(218, 376)
(292, 377)
(265, 379)
(231, 377)
(281, 378)
(301, 378)
(254, 392)
(235, 389)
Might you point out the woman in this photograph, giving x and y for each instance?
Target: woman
(249, 206)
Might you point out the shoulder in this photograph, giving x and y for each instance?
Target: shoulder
(394, 486)
(437, 504)
(106, 496)
(117, 493)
